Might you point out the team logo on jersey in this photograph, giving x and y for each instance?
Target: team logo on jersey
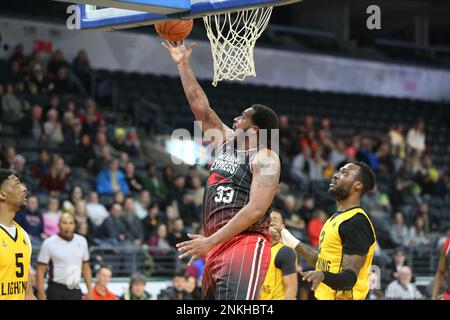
(4, 244)
(216, 178)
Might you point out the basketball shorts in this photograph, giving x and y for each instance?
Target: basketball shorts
(235, 270)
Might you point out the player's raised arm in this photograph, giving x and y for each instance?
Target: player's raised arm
(197, 98)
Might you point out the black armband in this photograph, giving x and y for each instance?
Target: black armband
(340, 281)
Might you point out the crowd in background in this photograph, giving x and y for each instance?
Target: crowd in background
(158, 206)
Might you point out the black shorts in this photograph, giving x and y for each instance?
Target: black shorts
(57, 291)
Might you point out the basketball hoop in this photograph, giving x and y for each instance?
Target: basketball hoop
(233, 37)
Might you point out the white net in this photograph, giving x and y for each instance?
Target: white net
(233, 37)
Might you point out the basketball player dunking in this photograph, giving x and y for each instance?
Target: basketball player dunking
(242, 183)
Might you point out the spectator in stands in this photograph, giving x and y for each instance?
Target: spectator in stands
(430, 222)
(81, 215)
(33, 125)
(304, 169)
(84, 155)
(155, 217)
(103, 142)
(96, 211)
(69, 255)
(142, 205)
(39, 80)
(177, 291)
(192, 288)
(54, 103)
(136, 290)
(293, 221)
(133, 143)
(177, 234)
(398, 262)
(14, 75)
(315, 227)
(100, 290)
(168, 176)
(54, 180)
(120, 138)
(154, 184)
(337, 154)
(51, 217)
(160, 238)
(365, 153)
(178, 190)
(82, 69)
(53, 127)
(63, 84)
(119, 197)
(90, 127)
(397, 143)
(399, 231)
(8, 157)
(56, 62)
(42, 165)
(133, 226)
(124, 160)
(76, 195)
(188, 211)
(402, 288)
(84, 230)
(11, 105)
(308, 140)
(22, 171)
(416, 138)
(70, 135)
(196, 190)
(133, 180)
(112, 180)
(32, 221)
(19, 56)
(90, 107)
(417, 233)
(113, 230)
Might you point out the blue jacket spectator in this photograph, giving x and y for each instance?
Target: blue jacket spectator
(32, 221)
(112, 180)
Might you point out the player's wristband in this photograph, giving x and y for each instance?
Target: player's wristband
(288, 239)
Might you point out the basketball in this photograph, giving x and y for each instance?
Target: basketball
(174, 30)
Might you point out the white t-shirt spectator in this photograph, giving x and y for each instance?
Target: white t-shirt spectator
(97, 213)
(416, 140)
(397, 291)
(66, 259)
(139, 210)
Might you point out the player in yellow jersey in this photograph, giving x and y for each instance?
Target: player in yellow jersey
(15, 245)
(347, 240)
(281, 279)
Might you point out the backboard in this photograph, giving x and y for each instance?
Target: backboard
(121, 14)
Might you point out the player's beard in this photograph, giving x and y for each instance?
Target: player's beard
(339, 192)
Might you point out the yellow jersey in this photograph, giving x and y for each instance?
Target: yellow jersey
(273, 287)
(15, 256)
(330, 259)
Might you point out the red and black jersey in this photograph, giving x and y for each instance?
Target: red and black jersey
(228, 189)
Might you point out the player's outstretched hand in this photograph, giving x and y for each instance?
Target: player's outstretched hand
(178, 50)
(316, 277)
(198, 246)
